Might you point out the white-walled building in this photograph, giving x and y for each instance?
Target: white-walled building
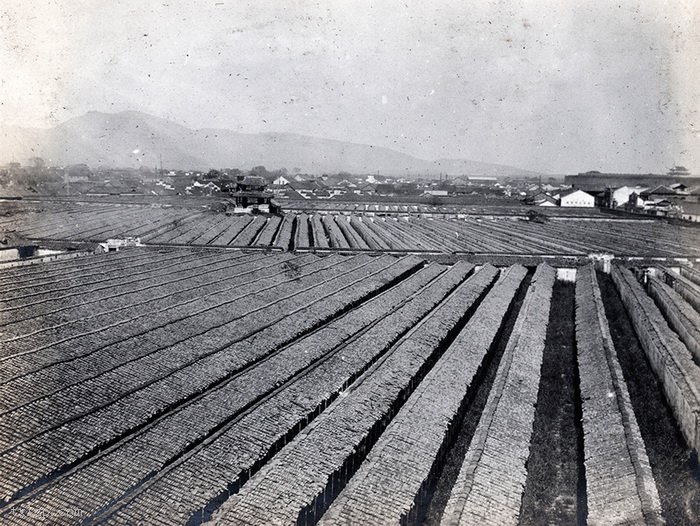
(281, 181)
(577, 198)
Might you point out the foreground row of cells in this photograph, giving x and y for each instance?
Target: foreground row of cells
(179, 386)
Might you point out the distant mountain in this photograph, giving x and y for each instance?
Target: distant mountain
(133, 139)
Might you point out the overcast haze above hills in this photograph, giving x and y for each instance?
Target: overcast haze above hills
(133, 139)
(557, 87)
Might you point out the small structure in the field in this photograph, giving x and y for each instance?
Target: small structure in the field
(576, 198)
(251, 195)
(436, 193)
(567, 275)
(536, 217)
(602, 261)
(114, 245)
(13, 253)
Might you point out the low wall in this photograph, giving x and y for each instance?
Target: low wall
(681, 316)
(670, 359)
(615, 455)
(490, 484)
(684, 286)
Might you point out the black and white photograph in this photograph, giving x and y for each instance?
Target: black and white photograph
(349, 263)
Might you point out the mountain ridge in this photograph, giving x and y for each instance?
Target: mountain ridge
(132, 139)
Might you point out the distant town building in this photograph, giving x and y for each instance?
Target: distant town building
(658, 191)
(576, 198)
(251, 195)
(653, 204)
(679, 171)
(679, 187)
(690, 211)
(545, 200)
(541, 198)
(621, 196)
(401, 189)
(482, 179)
(281, 181)
(598, 181)
(308, 189)
(367, 189)
(250, 183)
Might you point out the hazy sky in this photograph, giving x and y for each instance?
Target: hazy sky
(558, 86)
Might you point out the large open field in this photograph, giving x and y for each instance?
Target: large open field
(165, 385)
(505, 233)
